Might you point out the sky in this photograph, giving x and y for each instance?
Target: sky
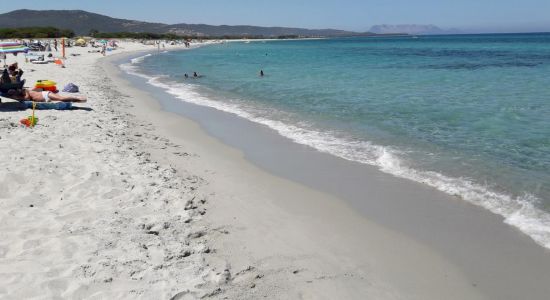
(356, 15)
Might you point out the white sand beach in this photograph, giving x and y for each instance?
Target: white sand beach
(121, 200)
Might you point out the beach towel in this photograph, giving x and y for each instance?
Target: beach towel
(49, 105)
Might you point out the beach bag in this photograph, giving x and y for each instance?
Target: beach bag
(70, 88)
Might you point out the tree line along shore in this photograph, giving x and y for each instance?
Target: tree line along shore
(52, 32)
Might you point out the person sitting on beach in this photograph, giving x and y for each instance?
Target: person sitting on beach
(5, 78)
(42, 96)
(15, 73)
(14, 70)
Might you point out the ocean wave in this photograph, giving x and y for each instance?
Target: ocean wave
(132, 70)
(140, 59)
(520, 212)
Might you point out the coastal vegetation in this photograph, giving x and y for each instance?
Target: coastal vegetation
(53, 32)
(35, 33)
(135, 35)
(171, 36)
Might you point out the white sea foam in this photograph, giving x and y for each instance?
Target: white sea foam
(131, 67)
(517, 211)
(140, 59)
(132, 70)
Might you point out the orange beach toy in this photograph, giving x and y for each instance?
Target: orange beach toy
(30, 121)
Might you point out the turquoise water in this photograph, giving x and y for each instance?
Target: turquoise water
(469, 115)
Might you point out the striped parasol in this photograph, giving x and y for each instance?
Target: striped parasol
(11, 47)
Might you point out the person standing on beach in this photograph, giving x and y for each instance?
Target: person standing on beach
(55, 44)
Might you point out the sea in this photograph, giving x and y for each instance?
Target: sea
(468, 115)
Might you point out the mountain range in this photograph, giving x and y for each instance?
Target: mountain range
(83, 22)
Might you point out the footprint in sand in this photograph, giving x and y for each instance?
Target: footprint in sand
(10, 183)
(56, 287)
(31, 244)
(3, 251)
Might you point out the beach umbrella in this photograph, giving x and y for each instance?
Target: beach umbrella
(11, 47)
(80, 42)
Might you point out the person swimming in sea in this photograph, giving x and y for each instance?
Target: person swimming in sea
(261, 73)
(197, 75)
(186, 76)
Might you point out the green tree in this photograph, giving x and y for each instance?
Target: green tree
(93, 32)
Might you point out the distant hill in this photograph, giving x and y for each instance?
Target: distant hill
(82, 22)
(410, 29)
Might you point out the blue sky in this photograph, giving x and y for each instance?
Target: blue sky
(359, 15)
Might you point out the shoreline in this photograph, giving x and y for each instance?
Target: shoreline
(516, 209)
(340, 240)
(126, 200)
(483, 255)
